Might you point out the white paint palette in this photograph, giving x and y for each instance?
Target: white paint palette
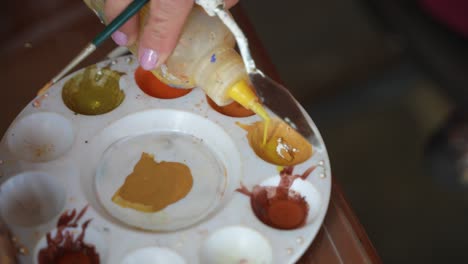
(53, 160)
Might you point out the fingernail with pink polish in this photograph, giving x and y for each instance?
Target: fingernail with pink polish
(148, 59)
(120, 38)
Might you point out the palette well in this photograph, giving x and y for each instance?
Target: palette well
(56, 160)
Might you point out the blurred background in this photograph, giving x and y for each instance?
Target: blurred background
(380, 78)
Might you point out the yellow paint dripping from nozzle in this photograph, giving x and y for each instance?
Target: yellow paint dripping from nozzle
(241, 93)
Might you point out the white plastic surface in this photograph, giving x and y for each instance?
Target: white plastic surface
(40, 137)
(140, 114)
(30, 199)
(153, 255)
(234, 245)
(176, 136)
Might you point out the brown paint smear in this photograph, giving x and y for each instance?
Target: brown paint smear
(64, 247)
(284, 146)
(152, 185)
(279, 206)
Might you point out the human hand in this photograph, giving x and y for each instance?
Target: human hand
(161, 31)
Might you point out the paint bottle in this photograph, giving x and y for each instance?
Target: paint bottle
(204, 57)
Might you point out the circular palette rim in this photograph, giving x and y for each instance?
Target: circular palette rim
(287, 246)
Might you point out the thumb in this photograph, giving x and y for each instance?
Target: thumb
(161, 32)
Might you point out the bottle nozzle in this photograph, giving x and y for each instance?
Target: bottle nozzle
(241, 93)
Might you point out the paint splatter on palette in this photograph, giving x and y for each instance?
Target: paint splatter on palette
(79, 149)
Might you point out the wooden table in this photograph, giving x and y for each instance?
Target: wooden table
(43, 38)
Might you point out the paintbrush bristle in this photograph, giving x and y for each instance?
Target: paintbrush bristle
(45, 88)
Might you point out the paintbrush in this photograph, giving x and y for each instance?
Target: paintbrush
(129, 12)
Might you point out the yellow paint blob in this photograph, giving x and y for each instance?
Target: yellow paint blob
(283, 147)
(243, 94)
(152, 185)
(93, 91)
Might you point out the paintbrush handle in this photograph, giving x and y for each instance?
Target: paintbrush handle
(130, 11)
